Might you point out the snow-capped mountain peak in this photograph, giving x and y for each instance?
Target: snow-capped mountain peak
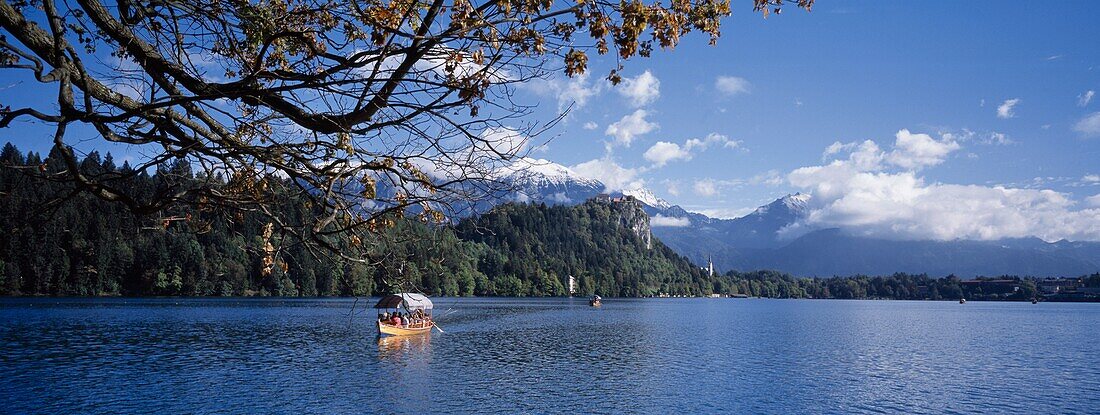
(646, 196)
(539, 180)
(544, 180)
(539, 172)
(796, 204)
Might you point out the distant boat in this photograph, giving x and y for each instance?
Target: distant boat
(595, 301)
(962, 301)
(1035, 301)
(416, 308)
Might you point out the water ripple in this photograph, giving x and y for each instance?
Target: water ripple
(511, 356)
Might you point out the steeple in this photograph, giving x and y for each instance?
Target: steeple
(710, 265)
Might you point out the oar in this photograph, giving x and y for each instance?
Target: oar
(437, 327)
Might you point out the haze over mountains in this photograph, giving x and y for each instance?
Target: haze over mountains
(763, 239)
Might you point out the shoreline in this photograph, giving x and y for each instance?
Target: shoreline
(212, 297)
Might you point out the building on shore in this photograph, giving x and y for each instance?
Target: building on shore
(1059, 285)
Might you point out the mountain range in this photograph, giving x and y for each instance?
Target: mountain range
(754, 241)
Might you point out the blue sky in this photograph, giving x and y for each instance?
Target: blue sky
(855, 71)
(928, 83)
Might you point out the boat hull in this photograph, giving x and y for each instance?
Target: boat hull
(388, 330)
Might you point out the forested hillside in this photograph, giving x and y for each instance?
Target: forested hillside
(85, 246)
(602, 245)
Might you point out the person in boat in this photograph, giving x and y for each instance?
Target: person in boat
(404, 321)
(395, 320)
(385, 317)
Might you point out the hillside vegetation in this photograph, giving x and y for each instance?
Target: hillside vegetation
(86, 246)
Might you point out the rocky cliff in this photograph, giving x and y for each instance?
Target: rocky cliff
(630, 213)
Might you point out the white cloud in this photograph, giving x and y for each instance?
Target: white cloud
(641, 90)
(865, 156)
(879, 193)
(560, 197)
(503, 140)
(590, 126)
(731, 85)
(700, 144)
(663, 152)
(441, 60)
(1085, 98)
(673, 187)
(912, 151)
(705, 187)
(613, 176)
(966, 135)
(1093, 201)
(836, 147)
(575, 91)
(1091, 178)
(1089, 126)
(1007, 109)
(630, 127)
(769, 178)
(669, 221)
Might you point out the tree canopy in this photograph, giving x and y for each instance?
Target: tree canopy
(366, 108)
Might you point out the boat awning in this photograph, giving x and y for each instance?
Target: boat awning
(410, 301)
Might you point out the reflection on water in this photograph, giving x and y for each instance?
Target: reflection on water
(397, 348)
(549, 355)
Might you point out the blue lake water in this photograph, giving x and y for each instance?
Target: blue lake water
(549, 355)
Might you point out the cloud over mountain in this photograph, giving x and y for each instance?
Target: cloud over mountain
(668, 221)
(613, 176)
(879, 193)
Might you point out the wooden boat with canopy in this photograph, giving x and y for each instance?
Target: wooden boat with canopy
(416, 308)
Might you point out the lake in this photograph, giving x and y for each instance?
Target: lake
(506, 355)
